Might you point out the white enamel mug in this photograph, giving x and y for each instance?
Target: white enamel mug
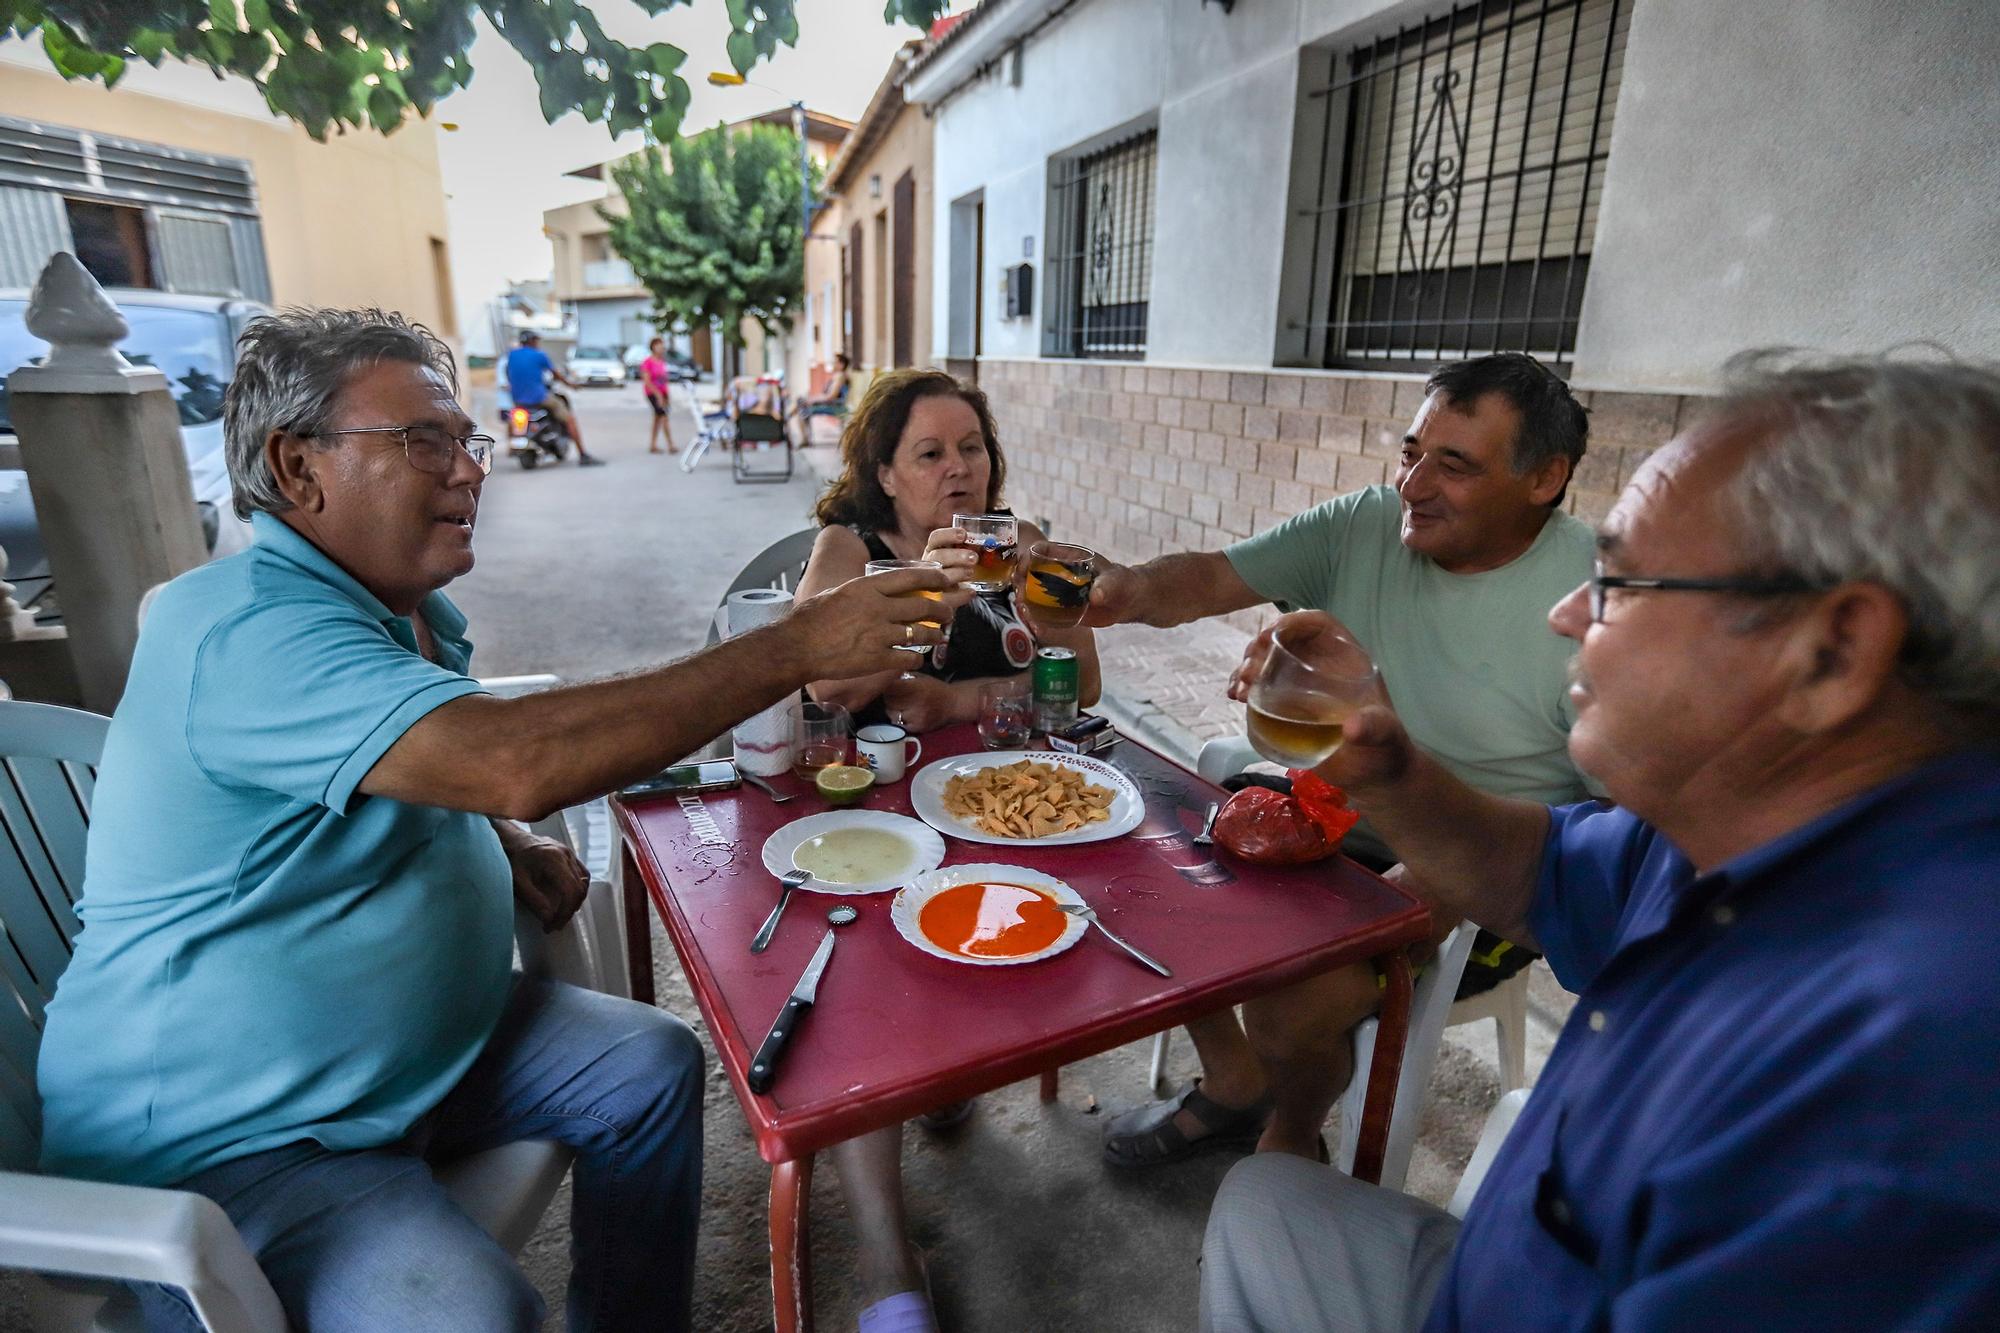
(882, 749)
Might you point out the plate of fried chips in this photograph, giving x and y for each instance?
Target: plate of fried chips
(1048, 799)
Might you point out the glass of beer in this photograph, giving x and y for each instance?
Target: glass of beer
(993, 538)
(1302, 698)
(1055, 584)
(884, 566)
(825, 738)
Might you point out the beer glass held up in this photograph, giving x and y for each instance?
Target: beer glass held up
(1301, 700)
(994, 539)
(1055, 583)
(885, 566)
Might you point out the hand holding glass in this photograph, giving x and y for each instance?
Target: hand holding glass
(994, 538)
(1055, 584)
(884, 566)
(1301, 699)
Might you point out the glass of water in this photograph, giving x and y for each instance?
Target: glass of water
(1006, 713)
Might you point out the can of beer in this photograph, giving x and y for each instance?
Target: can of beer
(1055, 688)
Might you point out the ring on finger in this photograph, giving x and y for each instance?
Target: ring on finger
(909, 633)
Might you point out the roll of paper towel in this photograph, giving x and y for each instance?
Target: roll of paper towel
(764, 743)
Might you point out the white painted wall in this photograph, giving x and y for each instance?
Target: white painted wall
(1094, 69)
(1814, 174)
(1819, 175)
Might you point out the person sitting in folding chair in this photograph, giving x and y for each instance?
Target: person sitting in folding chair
(831, 402)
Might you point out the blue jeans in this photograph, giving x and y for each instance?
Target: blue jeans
(369, 1241)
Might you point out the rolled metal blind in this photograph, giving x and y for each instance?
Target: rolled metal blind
(55, 157)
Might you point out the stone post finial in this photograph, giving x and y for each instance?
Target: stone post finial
(70, 312)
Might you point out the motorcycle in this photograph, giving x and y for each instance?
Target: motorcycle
(533, 432)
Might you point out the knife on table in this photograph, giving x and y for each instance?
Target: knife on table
(764, 1065)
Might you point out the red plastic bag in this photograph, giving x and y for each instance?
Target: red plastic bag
(1268, 828)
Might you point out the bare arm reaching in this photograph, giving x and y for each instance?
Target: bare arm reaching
(523, 758)
(1171, 590)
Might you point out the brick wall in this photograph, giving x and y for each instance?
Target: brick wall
(1137, 460)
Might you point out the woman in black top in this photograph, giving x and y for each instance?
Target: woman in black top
(918, 449)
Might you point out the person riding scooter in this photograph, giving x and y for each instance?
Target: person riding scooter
(528, 373)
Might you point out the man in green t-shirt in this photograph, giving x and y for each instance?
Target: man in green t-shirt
(1447, 579)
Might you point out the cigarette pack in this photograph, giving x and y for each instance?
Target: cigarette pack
(1090, 743)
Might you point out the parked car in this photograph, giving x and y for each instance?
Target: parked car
(681, 368)
(595, 365)
(193, 340)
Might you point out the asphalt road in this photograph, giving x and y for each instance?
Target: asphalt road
(589, 571)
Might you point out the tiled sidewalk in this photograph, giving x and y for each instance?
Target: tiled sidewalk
(1168, 687)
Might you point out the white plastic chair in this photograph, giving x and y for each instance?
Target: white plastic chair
(79, 1241)
(778, 565)
(716, 428)
(1430, 1004)
(1499, 1124)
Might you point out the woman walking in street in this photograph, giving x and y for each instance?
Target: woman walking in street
(653, 375)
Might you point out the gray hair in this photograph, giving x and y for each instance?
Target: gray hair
(291, 368)
(1884, 469)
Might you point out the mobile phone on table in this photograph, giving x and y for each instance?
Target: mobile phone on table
(686, 779)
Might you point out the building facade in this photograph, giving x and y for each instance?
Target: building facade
(868, 267)
(192, 186)
(1202, 255)
(605, 303)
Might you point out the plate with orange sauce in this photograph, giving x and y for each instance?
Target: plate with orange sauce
(987, 915)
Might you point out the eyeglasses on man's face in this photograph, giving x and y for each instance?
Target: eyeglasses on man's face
(1780, 585)
(431, 448)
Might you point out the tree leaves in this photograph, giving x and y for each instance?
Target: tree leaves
(354, 64)
(712, 228)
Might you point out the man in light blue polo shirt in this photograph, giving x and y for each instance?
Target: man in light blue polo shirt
(293, 989)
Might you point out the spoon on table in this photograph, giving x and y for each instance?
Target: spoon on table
(791, 879)
(1206, 838)
(777, 797)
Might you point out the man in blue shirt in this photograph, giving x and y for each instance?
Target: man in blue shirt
(293, 989)
(1775, 1104)
(529, 371)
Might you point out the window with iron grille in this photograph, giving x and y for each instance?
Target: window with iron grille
(1462, 164)
(1100, 252)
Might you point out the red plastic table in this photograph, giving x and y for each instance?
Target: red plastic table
(897, 1032)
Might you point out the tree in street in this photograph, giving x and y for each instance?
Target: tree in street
(713, 228)
(339, 64)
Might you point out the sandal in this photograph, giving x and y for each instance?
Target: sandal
(1148, 1136)
(906, 1311)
